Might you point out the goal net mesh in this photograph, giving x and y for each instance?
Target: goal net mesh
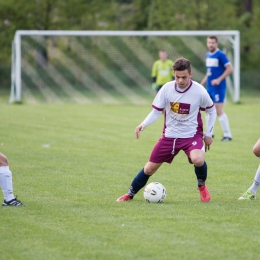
(106, 69)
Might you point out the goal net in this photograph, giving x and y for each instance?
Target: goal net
(106, 66)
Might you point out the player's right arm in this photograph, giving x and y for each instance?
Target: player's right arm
(139, 128)
(227, 72)
(154, 75)
(154, 70)
(152, 117)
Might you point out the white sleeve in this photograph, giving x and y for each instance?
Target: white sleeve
(152, 117)
(211, 121)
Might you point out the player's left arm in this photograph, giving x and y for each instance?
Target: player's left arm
(227, 72)
(229, 69)
(210, 126)
(210, 109)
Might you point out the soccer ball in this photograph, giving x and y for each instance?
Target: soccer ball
(155, 192)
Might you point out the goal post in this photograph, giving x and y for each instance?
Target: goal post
(107, 66)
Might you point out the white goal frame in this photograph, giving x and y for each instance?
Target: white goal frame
(16, 82)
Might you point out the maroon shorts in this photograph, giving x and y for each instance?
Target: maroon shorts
(167, 148)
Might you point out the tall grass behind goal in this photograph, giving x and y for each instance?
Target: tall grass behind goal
(106, 66)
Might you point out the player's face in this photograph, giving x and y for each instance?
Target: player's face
(162, 55)
(212, 44)
(182, 78)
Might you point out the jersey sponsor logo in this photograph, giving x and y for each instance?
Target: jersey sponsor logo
(180, 111)
(212, 62)
(180, 108)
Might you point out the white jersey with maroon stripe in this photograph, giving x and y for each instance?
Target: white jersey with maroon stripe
(182, 109)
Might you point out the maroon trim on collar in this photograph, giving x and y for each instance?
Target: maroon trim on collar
(185, 89)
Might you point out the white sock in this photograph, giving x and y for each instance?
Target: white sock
(256, 182)
(6, 183)
(223, 120)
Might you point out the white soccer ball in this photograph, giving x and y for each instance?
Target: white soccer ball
(155, 192)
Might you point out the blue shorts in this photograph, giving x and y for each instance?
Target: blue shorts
(217, 93)
(167, 148)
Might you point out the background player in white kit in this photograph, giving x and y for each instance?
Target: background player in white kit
(181, 100)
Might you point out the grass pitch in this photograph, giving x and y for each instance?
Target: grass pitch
(71, 162)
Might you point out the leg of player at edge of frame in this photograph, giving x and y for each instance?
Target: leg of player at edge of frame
(6, 183)
(250, 194)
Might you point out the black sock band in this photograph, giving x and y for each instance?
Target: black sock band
(201, 173)
(138, 183)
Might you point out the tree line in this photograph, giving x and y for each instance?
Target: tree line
(242, 15)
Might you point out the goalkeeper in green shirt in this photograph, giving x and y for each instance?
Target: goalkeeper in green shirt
(162, 71)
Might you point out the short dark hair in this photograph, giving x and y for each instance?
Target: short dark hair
(182, 64)
(213, 37)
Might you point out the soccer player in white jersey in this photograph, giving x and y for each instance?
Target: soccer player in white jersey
(250, 194)
(218, 68)
(181, 100)
(6, 183)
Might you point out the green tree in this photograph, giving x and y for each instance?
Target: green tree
(132, 15)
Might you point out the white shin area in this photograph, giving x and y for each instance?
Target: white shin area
(6, 183)
(223, 120)
(256, 182)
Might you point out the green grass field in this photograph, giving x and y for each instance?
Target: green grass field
(71, 162)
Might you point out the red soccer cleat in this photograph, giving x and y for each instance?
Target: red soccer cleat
(204, 193)
(125, 197)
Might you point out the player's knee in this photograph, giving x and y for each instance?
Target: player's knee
(256, 150)
(3, 160)
(149, 169)
(197, 157)
(198, 161)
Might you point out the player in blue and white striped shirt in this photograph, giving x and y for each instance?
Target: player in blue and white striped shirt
(218, 68)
